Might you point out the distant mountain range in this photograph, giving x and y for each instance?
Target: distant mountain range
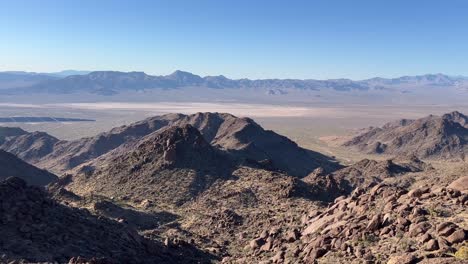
(42, 119)
(16, 79)
(113, 82)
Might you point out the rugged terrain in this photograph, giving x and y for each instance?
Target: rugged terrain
(170, 166)
(240, 137)
(37, 229)
(437, 137)
(212, 187)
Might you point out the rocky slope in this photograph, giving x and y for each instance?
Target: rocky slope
(383, 224)
(69, 154)
(444, 137)
(226, 217)
(387, 223)
(246, 140)
(365, 173)
(37, 229)
(30, 147)
(10, 165)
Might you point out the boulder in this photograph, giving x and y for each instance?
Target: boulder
(292, 235)
(457, 236)
(415, 193)
(432, 245)
(461, 184)
(375, 223)
(402, 259)
(256, 243)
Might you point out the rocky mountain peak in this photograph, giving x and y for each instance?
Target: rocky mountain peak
(177, 144)
(457, 117)
(185, 78)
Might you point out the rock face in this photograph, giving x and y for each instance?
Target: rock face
(10, 166)
(444, 137)
(36, 229)
(172, 166)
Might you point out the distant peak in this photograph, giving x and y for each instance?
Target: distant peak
(182, 73)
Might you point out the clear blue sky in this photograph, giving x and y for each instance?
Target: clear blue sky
(256, 39)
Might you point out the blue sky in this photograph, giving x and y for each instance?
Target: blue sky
(255, 39)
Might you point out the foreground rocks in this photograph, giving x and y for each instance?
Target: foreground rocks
(386, 223)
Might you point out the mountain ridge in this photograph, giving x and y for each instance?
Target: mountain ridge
(114, 82)
(241, 138)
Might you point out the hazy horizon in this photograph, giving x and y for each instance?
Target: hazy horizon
(84, 72)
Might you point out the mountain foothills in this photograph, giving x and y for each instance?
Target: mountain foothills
(216, 188)
(109, 83)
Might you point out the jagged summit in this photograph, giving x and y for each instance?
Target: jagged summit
(440, 137)
(457, 117)
(245, 139)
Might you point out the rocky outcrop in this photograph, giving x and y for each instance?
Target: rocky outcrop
(444, 137)
(363, 174)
